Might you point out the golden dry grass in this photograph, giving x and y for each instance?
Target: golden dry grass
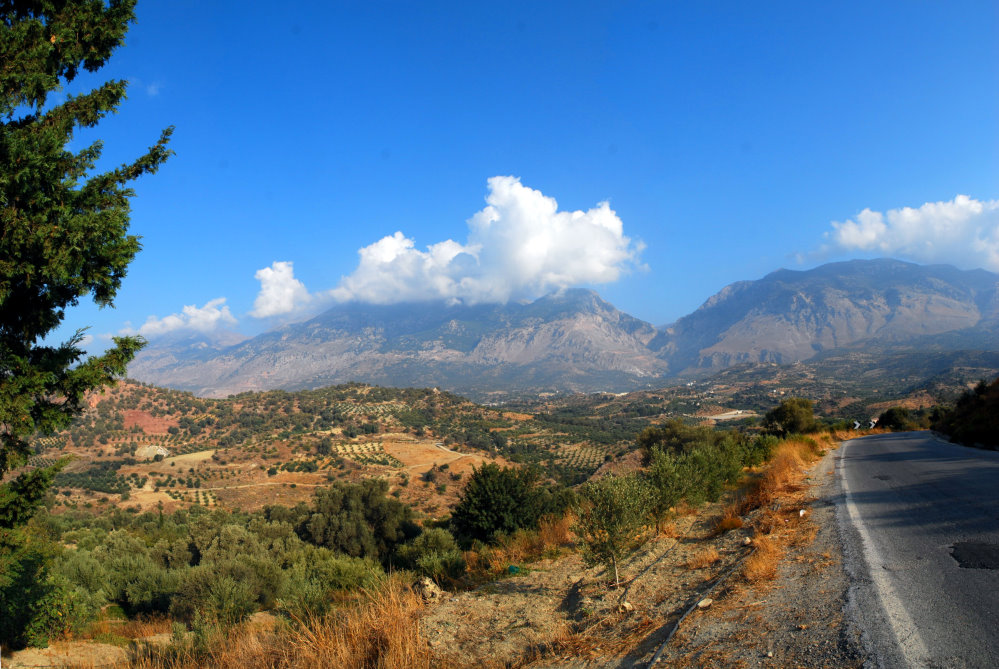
(762, 564)
(556, 532)
(381, 631)
(703, 558)
(127, 629)
(730, 519)
(784, 472)
(522, 546)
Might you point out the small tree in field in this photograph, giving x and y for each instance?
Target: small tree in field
(792, 416)
(613, 510)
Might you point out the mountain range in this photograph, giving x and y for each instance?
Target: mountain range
(574, 341)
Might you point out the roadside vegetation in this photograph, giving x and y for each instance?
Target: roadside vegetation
(974, 420)
(329, 568)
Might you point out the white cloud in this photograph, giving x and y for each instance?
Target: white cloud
(962, 232)
(518, 246)
(153, 89)
(280, 292)
(214, 314)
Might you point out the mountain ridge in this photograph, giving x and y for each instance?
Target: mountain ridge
(574, 341)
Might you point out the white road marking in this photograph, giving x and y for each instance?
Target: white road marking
(910, 642)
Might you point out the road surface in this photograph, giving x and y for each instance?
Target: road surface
(920, 523)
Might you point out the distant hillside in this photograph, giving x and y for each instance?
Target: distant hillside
(139, 445)
(577, 342)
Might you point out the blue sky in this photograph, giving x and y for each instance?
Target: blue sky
(726, 138)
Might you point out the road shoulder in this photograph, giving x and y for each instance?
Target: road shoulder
(799, 620)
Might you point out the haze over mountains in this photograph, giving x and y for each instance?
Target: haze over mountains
(574, 341)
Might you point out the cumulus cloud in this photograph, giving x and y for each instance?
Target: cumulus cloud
(214, 314)
(962, 232)
(519, 246)
(280, 292)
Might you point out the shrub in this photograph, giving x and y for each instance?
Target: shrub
(502, 500)
(215, 594)
(896, 419)
(135, 581)
(308, 590)
(357, 519)
(974, 420)
(760, 449)
(674, 436)
(434, 553)
(35, 602)
(793, 416)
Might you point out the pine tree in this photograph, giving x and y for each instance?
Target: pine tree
(63, 228)
(63, 237)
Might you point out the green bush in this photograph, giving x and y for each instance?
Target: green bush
(502, 500)
(135, 581)
(760, 449)
(88, 579)
(612, 512)
(896, 419)
(214, 592)
(27, 592)
(434, 553)
(311, 582)
(357, 519)
(793, 416)
(974, 420)
(674, 436)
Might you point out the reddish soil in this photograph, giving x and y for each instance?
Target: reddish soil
(150, 424)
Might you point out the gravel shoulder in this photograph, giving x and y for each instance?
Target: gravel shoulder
(802, 619)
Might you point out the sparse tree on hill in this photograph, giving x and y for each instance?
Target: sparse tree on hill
(612, 513)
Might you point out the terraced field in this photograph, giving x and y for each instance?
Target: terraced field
(368, 453)
(580, 457)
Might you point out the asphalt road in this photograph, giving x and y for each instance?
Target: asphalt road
(913, 508)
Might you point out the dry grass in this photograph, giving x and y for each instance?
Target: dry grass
(143, 627)
(668, 529)
(704, 558)
(730, 519)
(523, 546)
(107, 628)
(380, 631)
(556, 532)
(784, 472)
(762, 564)
(776, 493)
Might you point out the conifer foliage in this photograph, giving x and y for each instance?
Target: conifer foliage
(63, 227)
(63, 237)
